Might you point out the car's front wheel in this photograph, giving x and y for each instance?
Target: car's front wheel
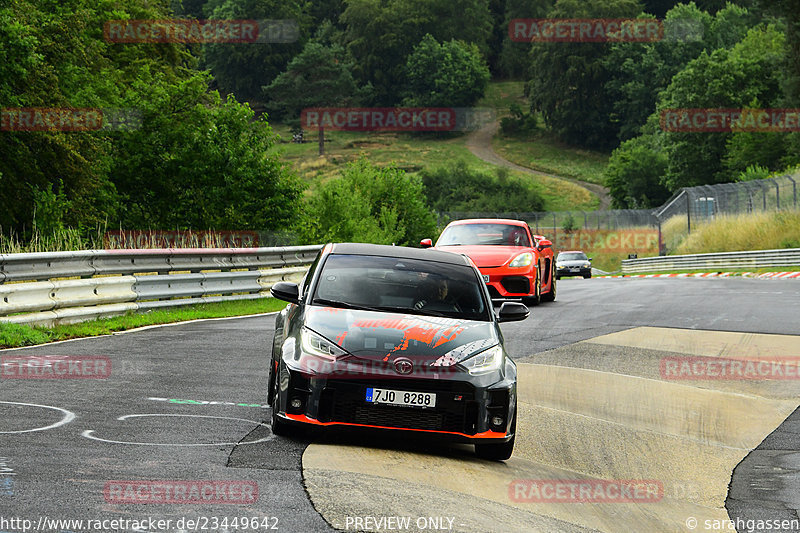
(279, 426)
(550, 296)
(536, 299)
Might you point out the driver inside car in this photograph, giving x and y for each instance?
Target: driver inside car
(437, 296)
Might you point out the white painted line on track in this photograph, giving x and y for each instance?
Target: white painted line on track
(69, 416)
(89, 432)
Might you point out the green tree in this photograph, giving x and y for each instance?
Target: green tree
(567, 79)
(243, 69)
(639, 71)
(368, 204)
(514, 56)
(320, 76)
(748, 75)
(380, 34)
(451, 74)
(200, 163)
(52, 54)
(634, 172)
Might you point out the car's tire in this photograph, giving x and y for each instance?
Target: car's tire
(536, 299)
(501, 451)
(587, 276)
(279, 426)
(550, 296)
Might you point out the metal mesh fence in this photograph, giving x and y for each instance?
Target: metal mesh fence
(706, 202)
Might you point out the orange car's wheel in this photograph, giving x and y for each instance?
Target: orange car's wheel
(550, 296)
(537, 292)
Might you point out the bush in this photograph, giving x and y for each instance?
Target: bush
(458, 187)
(368, 204)
(519, 123)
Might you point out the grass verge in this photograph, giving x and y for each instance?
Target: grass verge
(412, 153)
(17, 335)
(733, 233)
(543, 153)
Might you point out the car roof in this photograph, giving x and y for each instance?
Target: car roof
(402, 252)
(505, 221)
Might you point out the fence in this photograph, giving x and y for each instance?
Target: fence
(66, 287)
(705, 202)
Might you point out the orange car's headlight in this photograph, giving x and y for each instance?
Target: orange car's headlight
(522, 260)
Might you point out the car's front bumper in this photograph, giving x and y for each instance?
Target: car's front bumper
(567, 271)
(463, 410)
(505, 283)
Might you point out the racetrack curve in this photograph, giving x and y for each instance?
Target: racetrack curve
(593, 406)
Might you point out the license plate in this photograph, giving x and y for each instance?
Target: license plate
(400, 397)
(486, 278)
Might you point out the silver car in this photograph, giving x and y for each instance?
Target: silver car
(573, 263)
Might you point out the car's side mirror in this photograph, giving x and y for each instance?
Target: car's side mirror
(589, 259)
(512, 311)
(426, 243)
(544, 243)
(286, 291)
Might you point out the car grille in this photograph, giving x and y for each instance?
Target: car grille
(343, 401)
(516, 284)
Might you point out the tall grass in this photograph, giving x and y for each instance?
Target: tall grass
(734, 233)
(71, 239)
(64, 239)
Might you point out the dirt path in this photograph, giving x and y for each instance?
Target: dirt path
(479, 143)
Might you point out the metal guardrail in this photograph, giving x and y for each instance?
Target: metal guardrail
(86, 263)
(113, 282)
(714, 261)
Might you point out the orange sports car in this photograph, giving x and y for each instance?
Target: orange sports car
(515, 263)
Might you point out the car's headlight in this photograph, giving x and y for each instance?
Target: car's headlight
(587, 265)
(485, 361)
(319, 346)
(559, 265)
(522, 260)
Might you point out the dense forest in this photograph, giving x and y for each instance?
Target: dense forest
(201, 155)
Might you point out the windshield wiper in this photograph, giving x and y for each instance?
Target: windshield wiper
(413, 311)
(344, 305)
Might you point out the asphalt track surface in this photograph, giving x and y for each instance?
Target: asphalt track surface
(153, 418)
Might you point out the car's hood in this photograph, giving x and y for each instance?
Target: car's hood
(381, 336)
(487, 256)
(573, 262)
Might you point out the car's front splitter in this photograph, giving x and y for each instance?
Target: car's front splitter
(486, 437)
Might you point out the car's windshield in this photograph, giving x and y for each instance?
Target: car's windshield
(572, 256)
(493, 234)
(401, 285)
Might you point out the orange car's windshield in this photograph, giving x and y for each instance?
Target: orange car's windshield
(490, 234)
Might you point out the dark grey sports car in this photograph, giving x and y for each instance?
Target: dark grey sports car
(395, 338)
